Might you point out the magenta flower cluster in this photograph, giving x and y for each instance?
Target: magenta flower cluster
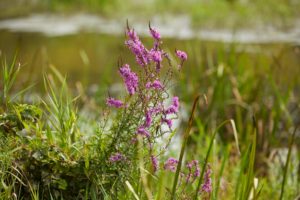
(173, 109)
(171, 164)
(181, 55)
(156, 84)
(130, 78)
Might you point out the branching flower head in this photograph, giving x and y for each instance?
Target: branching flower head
(192, 173)
(171, 164)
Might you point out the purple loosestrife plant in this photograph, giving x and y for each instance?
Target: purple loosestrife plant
(146, 111)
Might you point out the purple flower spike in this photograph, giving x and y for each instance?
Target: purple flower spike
(155, 34)
(193, 165)
(137, 48)
(154, 163)
(130, 79)
(171, 164)
(114, 102)
(181, 55)
(142, 131)
(116, 157)
(207, 185)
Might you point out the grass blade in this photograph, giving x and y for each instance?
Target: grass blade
(287, 162)
(207, 156)
(132, 190)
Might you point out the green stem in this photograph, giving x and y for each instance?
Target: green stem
(287, 162)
